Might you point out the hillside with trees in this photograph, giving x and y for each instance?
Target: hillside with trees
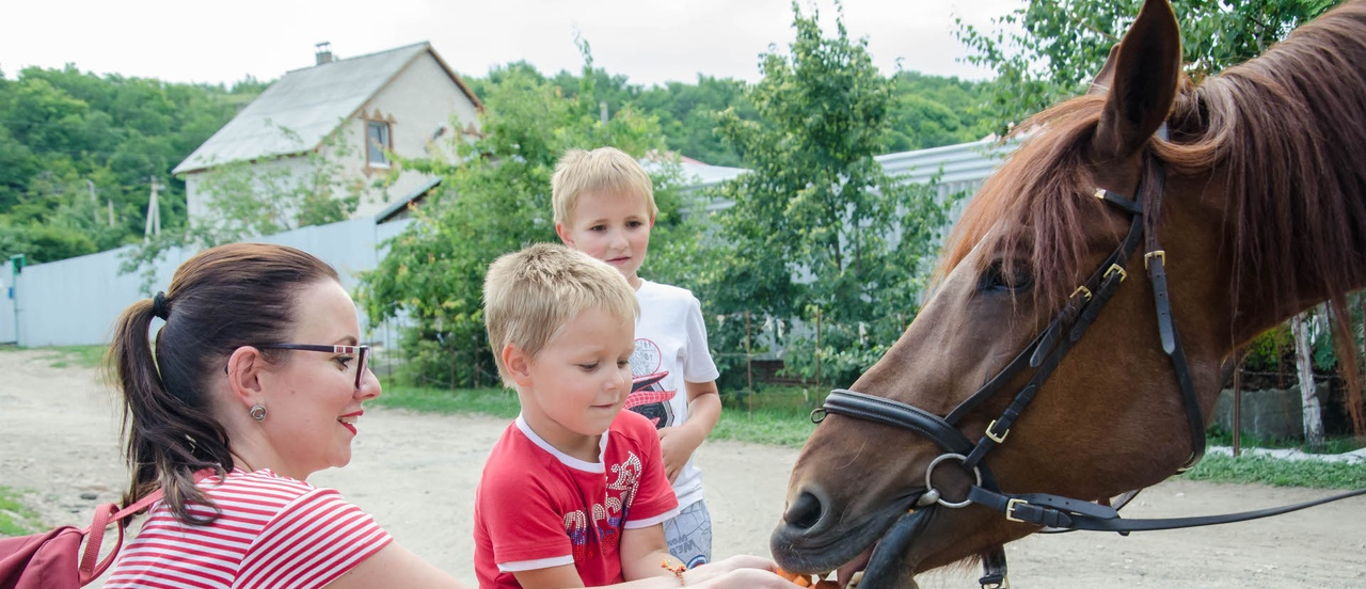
(78, 151)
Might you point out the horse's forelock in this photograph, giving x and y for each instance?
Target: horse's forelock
(1034, 208)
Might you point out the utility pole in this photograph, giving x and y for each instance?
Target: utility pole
(153, 225)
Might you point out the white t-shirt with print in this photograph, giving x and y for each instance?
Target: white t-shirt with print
(671, 349)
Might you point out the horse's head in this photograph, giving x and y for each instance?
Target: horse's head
(1110, 417)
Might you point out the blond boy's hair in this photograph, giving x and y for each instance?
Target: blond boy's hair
(604, 168)
(529, 295)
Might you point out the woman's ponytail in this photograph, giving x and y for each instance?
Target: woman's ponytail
(219, 300)
(164, 434)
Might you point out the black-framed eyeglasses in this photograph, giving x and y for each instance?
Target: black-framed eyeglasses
(362, 354)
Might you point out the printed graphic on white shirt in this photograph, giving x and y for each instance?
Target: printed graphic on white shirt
(648, 396)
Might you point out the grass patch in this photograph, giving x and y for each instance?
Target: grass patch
(83, 356)
(1280, 473)
(776, 415)
(1218, 436)
(778, 427)
(66, 356)
(16, 518)
(487, 401)
(784, 423)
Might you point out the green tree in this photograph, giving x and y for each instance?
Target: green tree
(930, 111)
(66, 135)
(687, 114)
(927, 111)
(495, 198)
(1060, 44)
(818, 231)
(59, 216)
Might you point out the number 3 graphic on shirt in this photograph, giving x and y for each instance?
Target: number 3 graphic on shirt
(628, 479)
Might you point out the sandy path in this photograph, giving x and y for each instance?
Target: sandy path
(416, 473)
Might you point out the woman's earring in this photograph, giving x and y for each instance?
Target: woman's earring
(258, 412)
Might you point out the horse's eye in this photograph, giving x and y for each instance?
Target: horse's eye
(1001, 277)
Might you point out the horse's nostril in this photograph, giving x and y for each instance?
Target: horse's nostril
(804, 512)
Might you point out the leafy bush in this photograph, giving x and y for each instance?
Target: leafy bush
(818, 232)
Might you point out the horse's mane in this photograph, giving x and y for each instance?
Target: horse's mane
(1282, 131)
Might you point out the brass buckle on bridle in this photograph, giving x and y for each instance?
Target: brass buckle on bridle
(1113, 269)
(1010, 509)
(1155, 254)
(995, 437)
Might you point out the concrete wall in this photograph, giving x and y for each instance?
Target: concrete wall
(1269, 413)
(275, 176)
(194, 195)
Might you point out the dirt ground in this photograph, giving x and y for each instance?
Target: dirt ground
(416, 473)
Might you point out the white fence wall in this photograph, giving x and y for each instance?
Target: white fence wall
(75, 301)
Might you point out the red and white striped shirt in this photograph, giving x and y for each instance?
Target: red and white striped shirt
(273, 531)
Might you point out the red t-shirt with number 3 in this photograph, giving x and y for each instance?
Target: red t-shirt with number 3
(537, 507)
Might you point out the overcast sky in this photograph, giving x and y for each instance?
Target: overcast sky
(650, 41)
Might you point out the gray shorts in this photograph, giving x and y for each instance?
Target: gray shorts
(689, 535)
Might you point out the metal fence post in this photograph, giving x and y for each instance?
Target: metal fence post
(749, 369)
(818, 347)
(1238, 408)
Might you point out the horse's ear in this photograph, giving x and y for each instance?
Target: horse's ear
(1143, 78)
(1106, 76)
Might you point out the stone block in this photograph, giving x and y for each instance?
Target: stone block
(1267, 413)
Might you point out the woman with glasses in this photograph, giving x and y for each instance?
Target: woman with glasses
(256, 380)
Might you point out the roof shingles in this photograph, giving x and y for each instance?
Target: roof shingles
(297, 112)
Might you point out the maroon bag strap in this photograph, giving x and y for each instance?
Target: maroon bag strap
(109, 513)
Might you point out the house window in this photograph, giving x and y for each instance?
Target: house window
(376, 141)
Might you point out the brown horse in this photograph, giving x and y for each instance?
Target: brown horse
(1263, 214)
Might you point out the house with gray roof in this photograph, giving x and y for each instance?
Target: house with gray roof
(354, 113)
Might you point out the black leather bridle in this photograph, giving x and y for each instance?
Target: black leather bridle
(1042, 355)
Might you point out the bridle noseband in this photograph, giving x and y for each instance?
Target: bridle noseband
(1042, 355)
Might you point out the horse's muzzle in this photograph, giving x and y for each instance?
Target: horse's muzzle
(817, 536)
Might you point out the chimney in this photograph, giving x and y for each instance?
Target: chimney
(323, 51)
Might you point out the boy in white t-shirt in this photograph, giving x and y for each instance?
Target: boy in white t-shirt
(604, 206)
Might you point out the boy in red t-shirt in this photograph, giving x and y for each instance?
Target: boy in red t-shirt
(574, 492)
